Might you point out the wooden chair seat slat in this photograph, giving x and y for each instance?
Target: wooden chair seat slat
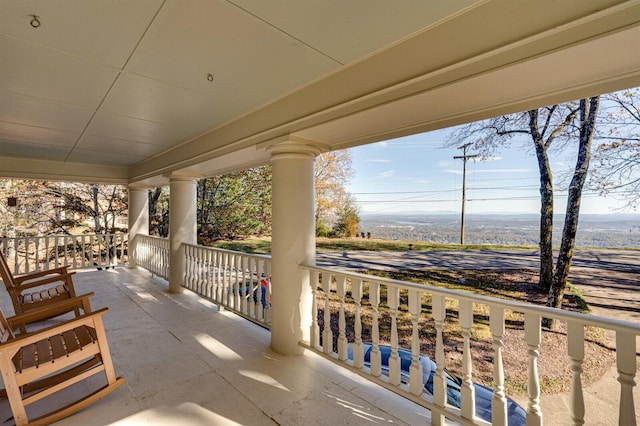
(26, 357)
(71, 341)
(84, 336)
(58, 348)
(52, 292)
(44, 352)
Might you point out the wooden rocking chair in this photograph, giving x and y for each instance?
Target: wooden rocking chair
(40, 364)
(47, 294)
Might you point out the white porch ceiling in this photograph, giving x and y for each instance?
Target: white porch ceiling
(120, 90)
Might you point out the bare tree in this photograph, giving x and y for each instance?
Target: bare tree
(617, 156)
(552, 127)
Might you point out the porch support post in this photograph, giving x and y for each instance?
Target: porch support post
(138, 217)
(182, 226)
(292, 243)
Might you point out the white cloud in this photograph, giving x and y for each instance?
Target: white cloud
(444, 163)
(382, 144)
(455, 172)
(378, 160)
(387, 174)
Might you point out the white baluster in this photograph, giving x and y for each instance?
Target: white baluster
(499, 401)
(16, 259)
(626, 363)
(56, 251)
(267, 293)
(532, 334)
(237, 282)
(416, 385)
(189, 268)
(467, 391)
(393, 300)
(92, 243)
(232, 279)
(327, 334)
(246, 278)
(439, 382)
(374, 298)
(575, 344)
(212, 291)
(358, 354)
(342, 324)
(222, 285)
(202, 269)
(75, 251)
(197, 272)
(26, 255)
(46, 250)
(37, 244)
(206, 289)
(258, 291)
(83, 252)
(314, 332)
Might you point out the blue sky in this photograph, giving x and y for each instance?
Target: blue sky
(416, 174)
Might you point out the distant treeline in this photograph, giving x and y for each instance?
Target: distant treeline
(603, 231)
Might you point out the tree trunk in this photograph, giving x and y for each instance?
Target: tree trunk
(96, 209)
(546, 205)
(588, 114)
(154, 220)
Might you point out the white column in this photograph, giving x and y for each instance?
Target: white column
(292, 243)
(138, 217)
(182, 226)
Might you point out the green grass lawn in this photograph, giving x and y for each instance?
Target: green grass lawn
(263, 245)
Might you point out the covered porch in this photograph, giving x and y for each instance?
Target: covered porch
(163, 93)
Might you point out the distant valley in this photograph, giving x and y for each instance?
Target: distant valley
(603, 231)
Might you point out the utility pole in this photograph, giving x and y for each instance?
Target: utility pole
(464, 157)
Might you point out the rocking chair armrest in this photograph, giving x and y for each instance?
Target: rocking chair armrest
(61, 270)
(46, 280)
(22, 340)
(55, 309)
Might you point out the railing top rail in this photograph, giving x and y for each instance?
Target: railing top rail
(255, 256)
(543, 311)
(153, 237)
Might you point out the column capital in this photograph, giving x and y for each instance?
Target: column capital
(293, 146)
(178, 177)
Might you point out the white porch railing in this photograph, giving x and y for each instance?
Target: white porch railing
(31, 254)
(335, 289)
(152, 253)
(236, 281)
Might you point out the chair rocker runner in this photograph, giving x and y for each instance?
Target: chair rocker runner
(40, 364)
(44, 293)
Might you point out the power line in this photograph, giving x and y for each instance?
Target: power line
(486, 188)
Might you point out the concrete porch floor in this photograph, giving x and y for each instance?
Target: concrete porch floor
(188, 364)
